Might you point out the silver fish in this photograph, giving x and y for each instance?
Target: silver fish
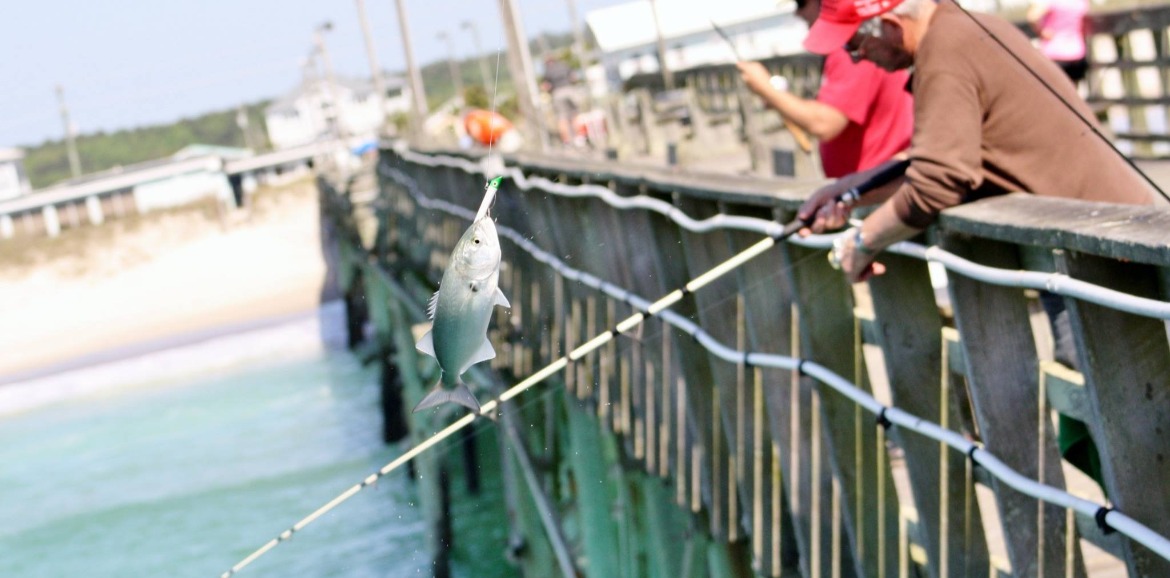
(460, 311)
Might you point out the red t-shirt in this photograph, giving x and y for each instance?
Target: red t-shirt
(879, 109)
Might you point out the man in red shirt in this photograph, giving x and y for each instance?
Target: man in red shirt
(862, 115)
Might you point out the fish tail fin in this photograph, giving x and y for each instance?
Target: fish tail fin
(438, 396)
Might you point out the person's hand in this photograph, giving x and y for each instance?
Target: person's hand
(857, 265)
(755, 76)
(822, 212)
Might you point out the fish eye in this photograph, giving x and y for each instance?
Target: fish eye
(475, 240)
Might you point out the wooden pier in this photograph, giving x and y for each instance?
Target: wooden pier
(654, 457)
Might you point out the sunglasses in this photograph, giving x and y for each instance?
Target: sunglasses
(871, 28)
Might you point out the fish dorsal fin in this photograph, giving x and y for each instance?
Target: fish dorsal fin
(501, 300)
(427, 345)
(484, 353)
(432, 305)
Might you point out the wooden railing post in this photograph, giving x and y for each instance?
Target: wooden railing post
(1003, 378)
(909, 331)
(1125, 360)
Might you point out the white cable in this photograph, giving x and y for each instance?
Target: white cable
(1115, 520)
(1052, 282)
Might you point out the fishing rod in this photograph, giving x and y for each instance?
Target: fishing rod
(798, 133)
(1093, 128)
(881, 177)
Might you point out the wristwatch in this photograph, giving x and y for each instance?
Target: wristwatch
(859, 243)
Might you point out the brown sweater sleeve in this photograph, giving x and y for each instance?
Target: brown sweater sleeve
(945, 155)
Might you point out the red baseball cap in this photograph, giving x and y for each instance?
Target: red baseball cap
(839, 20)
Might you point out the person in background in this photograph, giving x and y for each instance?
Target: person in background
(558, 82)
(983, 125)
(862, 115)
(1060, 24)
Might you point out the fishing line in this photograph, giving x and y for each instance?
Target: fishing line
(646, 311)
(630, 322)
(624, 346)
(1064, 102)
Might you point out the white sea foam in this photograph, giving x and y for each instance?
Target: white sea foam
(289, 338)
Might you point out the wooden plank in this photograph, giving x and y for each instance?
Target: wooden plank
(909, 333)
(1128, 232)
(705, 433)
(1066, 390)
(1003, 378)
(828, 335)
(789, 405)
(1126, 364)
(718, 314)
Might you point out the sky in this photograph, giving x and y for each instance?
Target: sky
(128, 63)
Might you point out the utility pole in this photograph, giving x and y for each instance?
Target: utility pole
(456, 77)
(70, 134)
(333, 117)
(523, 76)
(416, 84)
(242, 122)
(480, 56)
(667, 75)
(579, 49)
(372, 56)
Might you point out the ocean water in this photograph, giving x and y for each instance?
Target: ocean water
(183, 468)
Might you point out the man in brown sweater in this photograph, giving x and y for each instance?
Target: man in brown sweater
(983, 125)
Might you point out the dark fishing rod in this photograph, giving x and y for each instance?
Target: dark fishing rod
(727, 39)
(1092, 127)
(797, 132)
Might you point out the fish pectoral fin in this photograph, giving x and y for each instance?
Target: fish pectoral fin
(484, 353)
(501, 300)
(426, 345)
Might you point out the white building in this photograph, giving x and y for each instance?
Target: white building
(628, 45)
(299, 117)
(13, 181)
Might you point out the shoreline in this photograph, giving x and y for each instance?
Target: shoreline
(165, 280)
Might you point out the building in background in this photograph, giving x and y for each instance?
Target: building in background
(628, 45)
(13, 180)
(299, 117)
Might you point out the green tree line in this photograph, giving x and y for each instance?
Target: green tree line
(48, 162)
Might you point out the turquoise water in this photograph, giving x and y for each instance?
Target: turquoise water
(186, 477)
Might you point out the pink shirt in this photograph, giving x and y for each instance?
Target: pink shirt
(1064, 23)
(880, 113)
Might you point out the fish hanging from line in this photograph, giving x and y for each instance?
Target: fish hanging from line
(462, 307)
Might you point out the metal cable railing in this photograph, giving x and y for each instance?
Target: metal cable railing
(1107, 517)
(1058, 283)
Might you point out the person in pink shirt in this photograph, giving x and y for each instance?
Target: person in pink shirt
(862, 115)
(1060, 24)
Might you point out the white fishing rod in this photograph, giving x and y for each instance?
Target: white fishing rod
(665, 302)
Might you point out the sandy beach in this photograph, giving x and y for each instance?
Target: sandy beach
(122, 285)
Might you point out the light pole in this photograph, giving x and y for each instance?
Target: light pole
(579, 48)
(479, 55)
(332, 116)
(456, 77)
(416, 84)
(70, 133)
(523, 76)
(667, 75)
(372, 56)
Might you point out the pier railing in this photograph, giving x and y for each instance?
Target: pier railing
(726, 426)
